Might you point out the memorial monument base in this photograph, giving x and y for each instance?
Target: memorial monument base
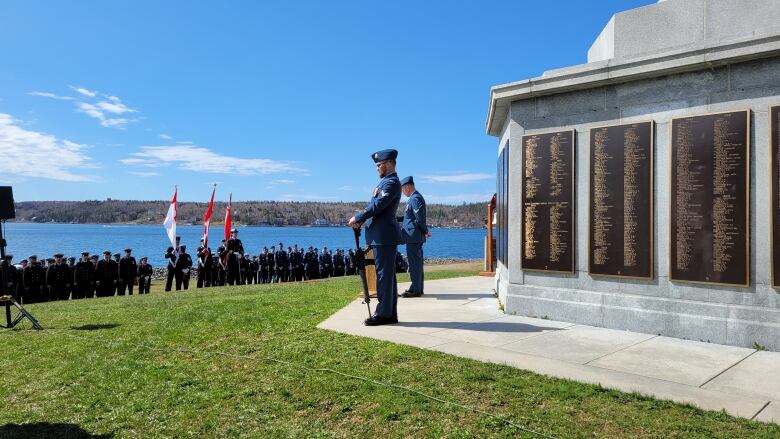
(731, 324)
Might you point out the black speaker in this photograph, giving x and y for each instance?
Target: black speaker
(7, 210)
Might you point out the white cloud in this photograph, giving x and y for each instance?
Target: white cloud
(84, 91)
(284, 181)
(200, 159)
(458, 198)
(35, 154)
(45, 94)
(165, 136)
(459, 178)
(144, 174)
(184, 142)
(99, 110)
(345, 188)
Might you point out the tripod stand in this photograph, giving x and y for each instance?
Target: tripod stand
(8, 299)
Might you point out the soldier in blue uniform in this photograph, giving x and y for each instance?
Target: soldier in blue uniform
(383, 235)
(414, 232)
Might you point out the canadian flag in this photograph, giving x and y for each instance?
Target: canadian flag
(228, 217)
(170, 220)
(207, 221)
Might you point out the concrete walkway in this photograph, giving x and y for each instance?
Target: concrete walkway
(461, 317)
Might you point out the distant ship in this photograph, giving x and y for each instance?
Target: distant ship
(320, 222)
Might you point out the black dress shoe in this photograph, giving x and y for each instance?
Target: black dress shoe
(377, 321)
(408, 294)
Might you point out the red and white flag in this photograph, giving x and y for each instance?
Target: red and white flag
(170, 219)
(228, 217)
(207, 221)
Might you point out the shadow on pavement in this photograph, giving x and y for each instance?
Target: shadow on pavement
(479, 326)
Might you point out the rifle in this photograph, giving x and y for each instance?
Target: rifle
(360, 264)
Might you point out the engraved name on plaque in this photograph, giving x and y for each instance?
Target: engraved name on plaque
(621, 201)
(547, 226)
(710, 196)
(774, 150)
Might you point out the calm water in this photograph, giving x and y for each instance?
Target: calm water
(150, 240)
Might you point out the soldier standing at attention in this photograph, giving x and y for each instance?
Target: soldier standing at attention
(106, 276)
(9, 275)
(144, 277)
(128, 272)
(117, 259)
(414, 232)
(338, 263)
(170, 255)
(383, 235)
(58, 278)
(84, 278)
(33, 278)
(272, 265)
(71, 274)
(280, 259)
(202, 254)
(234, 250)
(183, 267)
(264, 266)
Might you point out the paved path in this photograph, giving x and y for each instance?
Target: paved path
(461, 317)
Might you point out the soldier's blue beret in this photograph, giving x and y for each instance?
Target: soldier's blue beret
(385, 154)
(407, 180)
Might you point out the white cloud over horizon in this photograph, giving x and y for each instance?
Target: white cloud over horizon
(200, 159)
(36, 154)
(462, 177)
(166, 136)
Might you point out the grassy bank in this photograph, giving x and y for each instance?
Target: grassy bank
(198, 364)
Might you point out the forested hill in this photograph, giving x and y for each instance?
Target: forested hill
(244, 213)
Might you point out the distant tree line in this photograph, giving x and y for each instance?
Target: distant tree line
(275, 213)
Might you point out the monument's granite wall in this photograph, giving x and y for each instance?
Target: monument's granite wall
(718, 314)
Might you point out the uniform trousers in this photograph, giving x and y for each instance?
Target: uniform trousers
(414, 254)
(386, 286)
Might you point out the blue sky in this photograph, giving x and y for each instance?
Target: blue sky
(271, 100)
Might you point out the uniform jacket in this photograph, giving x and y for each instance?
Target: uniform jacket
(58, 274)
(383, 228)
(107, 271)
(128, 268)
(85, 273)
(415, 226)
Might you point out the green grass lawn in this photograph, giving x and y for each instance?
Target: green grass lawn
(125, 367)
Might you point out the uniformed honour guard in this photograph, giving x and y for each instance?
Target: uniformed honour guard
(383, 235)
(57, 278)
(106, 276)
(205, 263)
(128, 273)
(183, 267)
(84, 278)
(9, 276)
(414, 231)
(234, 251)
(170, 256)
(34, 277)
(145, 272)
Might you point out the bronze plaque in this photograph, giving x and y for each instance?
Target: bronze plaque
(620, 241)
(710, 199)
(547, 226)
(774, 148)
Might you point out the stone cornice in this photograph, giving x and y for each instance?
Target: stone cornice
(615, 71)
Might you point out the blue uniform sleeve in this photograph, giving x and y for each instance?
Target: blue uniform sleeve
(418, 209)
(387, 193)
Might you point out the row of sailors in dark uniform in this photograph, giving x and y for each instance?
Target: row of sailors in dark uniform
(230, 265)
(59, 279)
